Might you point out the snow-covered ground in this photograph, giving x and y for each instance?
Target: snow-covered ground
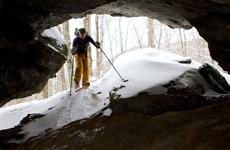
(144, 68)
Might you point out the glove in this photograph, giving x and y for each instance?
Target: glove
(73, 51)
(98, 44)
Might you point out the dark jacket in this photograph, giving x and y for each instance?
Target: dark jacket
(82, 44)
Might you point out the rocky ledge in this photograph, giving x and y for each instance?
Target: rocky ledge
(203, 128)
(183, 116)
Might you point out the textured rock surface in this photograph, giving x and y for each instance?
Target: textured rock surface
(212, 20)
(203, 128)
(28, 67)
(22, 21)
(215, 79)
(184, 93)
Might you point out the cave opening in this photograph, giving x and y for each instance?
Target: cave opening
(209, 18)
(119, 35)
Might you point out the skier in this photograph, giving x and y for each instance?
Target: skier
(80, 52)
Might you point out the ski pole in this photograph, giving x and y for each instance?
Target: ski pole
(71, 78)
(114, 67)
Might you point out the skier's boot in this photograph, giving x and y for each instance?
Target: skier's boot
(87, 84)
(76, 85)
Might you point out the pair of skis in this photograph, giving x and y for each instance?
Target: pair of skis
(85, 87)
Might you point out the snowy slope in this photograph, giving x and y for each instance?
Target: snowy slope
(143, 68)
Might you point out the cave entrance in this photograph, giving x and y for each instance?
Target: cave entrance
(119, 35)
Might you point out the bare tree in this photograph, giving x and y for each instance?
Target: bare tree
(183, 41)
(185, 44)
(101, 41)
(66, 36)
(121, 41)
(150, 33)
(63, 79)
(127, 33)
(139, 40)
(87, 25)
(159, 39)
(99, 53)
(45, 91)
(168, 38)
(110, 40)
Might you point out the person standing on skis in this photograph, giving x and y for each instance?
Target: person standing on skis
(80, 52)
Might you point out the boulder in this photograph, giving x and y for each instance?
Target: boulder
(203, 128)
(29, 66)
(188, 91)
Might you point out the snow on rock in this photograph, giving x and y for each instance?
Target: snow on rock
(144, 68)
(54, 40)
(55, 34)
(11, 116)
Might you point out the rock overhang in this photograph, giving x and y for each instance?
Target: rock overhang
(25, 20)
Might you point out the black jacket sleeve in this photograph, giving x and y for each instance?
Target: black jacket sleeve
(93, 42)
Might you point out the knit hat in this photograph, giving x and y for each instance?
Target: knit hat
(82, 30)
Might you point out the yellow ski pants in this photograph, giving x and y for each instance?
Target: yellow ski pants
(82, 63)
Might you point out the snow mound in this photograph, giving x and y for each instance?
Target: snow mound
(144, 68)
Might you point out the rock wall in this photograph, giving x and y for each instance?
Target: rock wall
(27, 66)
(22, 21)
(201, 129)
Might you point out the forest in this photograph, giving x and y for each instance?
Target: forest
(119, 35)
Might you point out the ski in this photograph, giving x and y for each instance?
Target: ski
(85, 87)
(82, 88)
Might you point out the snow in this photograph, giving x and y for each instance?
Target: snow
(144, 68)
(55, 34)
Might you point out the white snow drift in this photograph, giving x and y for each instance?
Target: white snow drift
(144, 68)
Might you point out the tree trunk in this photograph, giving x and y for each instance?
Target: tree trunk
(181, 41)
(127, 31)
(63, 79)
(99, 33)
(185, 45)
(150, 33)
(66, 36)
(101, 42)
(121, 41)
(98, 66)
(87, 25)
(159, 40)
(45, 91)
(110, 41)
(115, 34)
(139, 40)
